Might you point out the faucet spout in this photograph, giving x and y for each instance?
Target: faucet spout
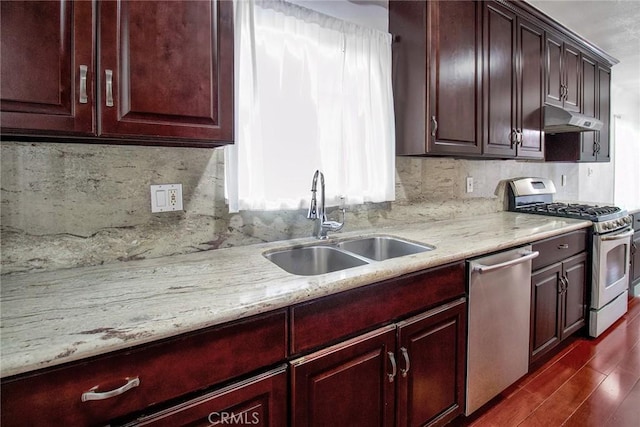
(321, 225)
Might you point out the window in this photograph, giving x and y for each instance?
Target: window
(312, 92)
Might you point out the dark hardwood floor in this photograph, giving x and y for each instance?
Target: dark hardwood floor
(591, 382)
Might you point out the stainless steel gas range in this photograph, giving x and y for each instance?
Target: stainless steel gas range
(611, 236)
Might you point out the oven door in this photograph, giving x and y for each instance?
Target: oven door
(610, 266)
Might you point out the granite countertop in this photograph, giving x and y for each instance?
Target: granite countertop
(56, 317)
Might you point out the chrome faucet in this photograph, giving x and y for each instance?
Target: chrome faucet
(321, 225)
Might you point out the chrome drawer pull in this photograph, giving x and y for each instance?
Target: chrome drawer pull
(83, 85)
(93, 395)
(392, 358)
(108, 74)
(434, 126)
(407, 364)
(563, 246)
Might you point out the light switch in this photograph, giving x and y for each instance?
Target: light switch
(166, 198)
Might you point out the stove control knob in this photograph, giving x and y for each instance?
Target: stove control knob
(627, 220)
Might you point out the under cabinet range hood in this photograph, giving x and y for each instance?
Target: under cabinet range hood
(559, 120)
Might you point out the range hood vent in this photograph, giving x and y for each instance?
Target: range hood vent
(559, 120)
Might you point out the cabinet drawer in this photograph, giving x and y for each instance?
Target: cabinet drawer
(165, 370)
(329, 319)
(558, 248)
(259, 400)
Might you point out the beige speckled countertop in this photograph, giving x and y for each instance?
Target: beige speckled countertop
(56, 317)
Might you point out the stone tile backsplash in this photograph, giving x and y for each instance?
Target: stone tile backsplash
(68, 205)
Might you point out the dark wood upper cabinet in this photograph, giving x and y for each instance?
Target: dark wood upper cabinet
(603, 137)
(513, 82)
(562, 73)
(166, 69)
(589, 70)
(152, 72)
(47, 67)
(436, 79)
(596, 102)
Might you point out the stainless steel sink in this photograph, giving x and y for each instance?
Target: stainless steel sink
(380, 248)
(313, 260)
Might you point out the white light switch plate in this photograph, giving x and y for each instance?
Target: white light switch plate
(166, 198)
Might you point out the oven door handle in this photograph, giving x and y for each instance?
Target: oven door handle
(617, 236)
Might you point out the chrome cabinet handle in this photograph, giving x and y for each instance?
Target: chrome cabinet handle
(392, 359)
(514, 137)
(526, 256)
(434, 126)
(407, 364)
(563, 285)
(563, 246)
(108, 74)
(83, 85)
(94, 395)
(519, 136)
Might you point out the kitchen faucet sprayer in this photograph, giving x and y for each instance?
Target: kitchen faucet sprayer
(321, 225)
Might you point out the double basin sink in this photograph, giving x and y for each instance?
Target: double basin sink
(326, 258)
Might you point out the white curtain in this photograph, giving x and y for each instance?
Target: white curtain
(312, 92)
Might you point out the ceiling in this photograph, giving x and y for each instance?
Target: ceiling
(612, 25)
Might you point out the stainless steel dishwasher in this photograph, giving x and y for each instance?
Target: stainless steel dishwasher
(498, 331)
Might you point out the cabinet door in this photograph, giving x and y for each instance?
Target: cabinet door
(530, 90)
(545, 310)
(436, 76)
(454, 87)
(432, 358)
(44, 46)
(589, 107)
(349, 384)
(635, 258)
(259, 401)
(604, 113)
(499, 81)
(166, 70)
(574, 297)
(554, 80)
(571, 71)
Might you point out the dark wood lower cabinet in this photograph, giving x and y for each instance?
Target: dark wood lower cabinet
(258, 401)
(431, 381)
(347, 384)
(415, 366)
(558, 303)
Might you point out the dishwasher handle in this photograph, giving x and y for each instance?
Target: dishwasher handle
(526, 256)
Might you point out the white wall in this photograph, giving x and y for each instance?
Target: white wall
(626, 137)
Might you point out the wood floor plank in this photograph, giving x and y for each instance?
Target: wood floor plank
(545, 384)
(560, 405)
(611, 350)
(628, 413)
(511, 411)
(602, 403)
